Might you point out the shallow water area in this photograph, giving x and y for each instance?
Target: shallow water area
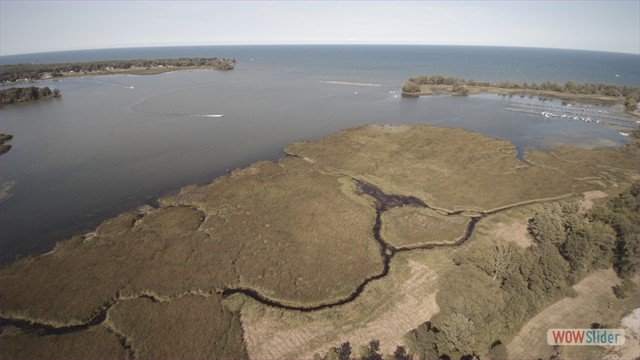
(112, 143)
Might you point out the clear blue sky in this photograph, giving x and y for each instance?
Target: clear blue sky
(38, 26)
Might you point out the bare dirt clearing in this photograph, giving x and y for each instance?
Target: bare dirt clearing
(589, 196)
(516, 232)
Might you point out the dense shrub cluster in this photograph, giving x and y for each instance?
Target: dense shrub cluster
(622, 214)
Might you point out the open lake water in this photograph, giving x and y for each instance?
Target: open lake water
(113, 143)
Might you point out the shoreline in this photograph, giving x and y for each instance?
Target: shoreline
(21, 73)
(589, 93)
(137, 71)
(427, 90)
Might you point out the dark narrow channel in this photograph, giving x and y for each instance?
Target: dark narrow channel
(46, 329)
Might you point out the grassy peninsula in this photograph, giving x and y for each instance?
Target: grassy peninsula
(438, 84)
(345, 240)
(11, 74)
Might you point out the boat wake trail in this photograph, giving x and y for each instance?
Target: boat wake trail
(140, 109)
(348, 83)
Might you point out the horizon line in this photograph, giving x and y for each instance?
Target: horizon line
(311, 44)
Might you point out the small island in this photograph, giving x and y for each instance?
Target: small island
(26, 94)
(607, 93)
(4, 148)
(20, 73)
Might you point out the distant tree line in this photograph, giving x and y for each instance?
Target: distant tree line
(630, 93)
(13, 73)
(496, 287)
(24, 94)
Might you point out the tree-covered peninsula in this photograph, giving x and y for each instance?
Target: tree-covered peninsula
(32, 72)
(438, 84)
(25, 94)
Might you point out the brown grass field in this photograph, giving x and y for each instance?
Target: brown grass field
(97, 341)
(191, 327)
(434, 164)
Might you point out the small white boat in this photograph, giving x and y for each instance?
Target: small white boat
(624, 133)
(208, 115)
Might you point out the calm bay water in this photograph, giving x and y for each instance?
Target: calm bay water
(116, 142)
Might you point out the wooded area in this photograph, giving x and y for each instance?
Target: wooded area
(25, 94)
